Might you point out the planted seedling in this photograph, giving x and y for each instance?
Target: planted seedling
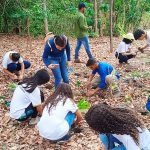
(128, 98)
(78, 83)
(12, 86)
(2, 99)
(83, 104)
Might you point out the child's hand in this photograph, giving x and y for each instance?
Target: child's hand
(53, 66)
(133, 53)
(141, 49)
(90, 93)
(20, 77)
(14, 77)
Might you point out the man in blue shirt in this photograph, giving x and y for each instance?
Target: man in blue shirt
(108, 77)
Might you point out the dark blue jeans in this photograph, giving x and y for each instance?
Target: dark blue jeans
(85, 42)
(30, 111)
(123, 58)
(70, 120)
(109, 142)
(61, 72)
(16, 67)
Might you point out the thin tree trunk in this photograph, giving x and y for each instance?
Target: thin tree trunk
(45, 19)
(95, 16)
(111, 31)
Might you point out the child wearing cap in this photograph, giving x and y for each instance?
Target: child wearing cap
(141, 35)
(123, 52)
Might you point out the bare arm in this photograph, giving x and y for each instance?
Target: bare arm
(79, 117)
(22, 69)
(144, 46)
(91, 77)
(39, 109)
(11, 75)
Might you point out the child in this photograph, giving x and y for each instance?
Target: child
(59, 114)
(141, 35)
(27, 98)
(123, 52)
(12, 63)
(119, 128)
(108, 77)
(57, 52)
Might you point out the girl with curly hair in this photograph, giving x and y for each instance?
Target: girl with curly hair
(119, 128)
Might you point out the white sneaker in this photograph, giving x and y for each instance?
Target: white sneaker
(34, 121)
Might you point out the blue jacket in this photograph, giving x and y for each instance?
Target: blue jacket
(103, 70)
(54, 52)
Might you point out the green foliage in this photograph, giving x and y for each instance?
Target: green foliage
(19, 16)
(12, 86)
(83, 104)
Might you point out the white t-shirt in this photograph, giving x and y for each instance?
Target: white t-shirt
(123, 47)
(53, 125)
(128, 142)
(7, 60)
(22, 99)
(148, 38)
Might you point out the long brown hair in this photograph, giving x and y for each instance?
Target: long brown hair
(108, 120)
(62, 92)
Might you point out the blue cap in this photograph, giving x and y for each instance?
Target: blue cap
(81, 5)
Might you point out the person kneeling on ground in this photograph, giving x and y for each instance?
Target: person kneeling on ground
(119, 128)
(141, 35)
(59, 114)
(27, 98)
(123, 52)
(14, 65)
(108, 77)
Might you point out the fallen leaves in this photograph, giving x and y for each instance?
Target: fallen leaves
(135, 85)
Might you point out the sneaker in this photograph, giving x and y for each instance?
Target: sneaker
(34, 121)
(77, 61)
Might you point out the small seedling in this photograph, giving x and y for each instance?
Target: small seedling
(128, 98)
(12, 86)
(83, 104)
(78, 83)
(2, 99)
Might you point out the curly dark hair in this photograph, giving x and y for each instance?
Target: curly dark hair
(108, 120)
(62, 92)
(127, 41)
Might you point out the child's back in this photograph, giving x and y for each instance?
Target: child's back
(52, 124)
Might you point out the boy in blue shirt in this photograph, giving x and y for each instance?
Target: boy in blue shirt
(108, 77)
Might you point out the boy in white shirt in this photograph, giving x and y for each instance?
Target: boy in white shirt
(142, 35)
(12, 63)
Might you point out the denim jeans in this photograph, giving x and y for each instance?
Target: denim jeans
(70, 120)
(123, 58)
(61, 72)
(85, 42)
(110, 143)
(16, 67)
(31, 111)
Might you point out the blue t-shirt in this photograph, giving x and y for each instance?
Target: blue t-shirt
(54, 52)
(103, 70)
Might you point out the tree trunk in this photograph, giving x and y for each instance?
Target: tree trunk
(111, 31)
(95, 16)
(45, 19)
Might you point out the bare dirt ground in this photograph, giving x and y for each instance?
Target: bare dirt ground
(135, 87)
